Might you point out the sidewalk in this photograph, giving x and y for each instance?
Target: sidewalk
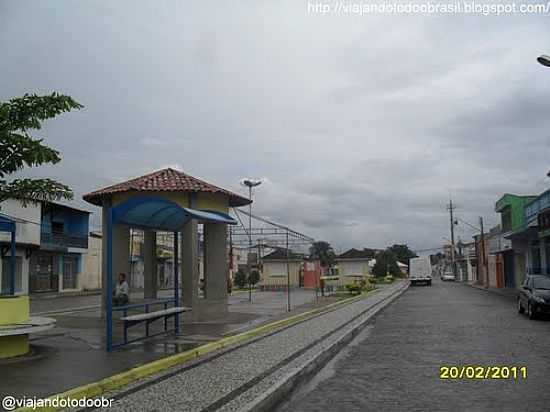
(510, 293)
(73, 354)
(242, 377)
(48, 304)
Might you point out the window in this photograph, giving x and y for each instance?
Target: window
(541, 283)
(506, 220)
(58, 227)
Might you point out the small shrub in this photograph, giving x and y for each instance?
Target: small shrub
(354, 288)
(240, 279)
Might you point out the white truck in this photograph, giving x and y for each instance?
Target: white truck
(420, 270)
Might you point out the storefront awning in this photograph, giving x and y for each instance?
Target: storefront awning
(6, 224)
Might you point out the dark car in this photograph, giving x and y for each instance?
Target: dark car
(534, 296)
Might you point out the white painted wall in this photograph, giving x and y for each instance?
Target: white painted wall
(357, 268)
(20, 252)
(90, 277)
(29, 232)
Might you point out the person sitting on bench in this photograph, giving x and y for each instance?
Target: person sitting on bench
(121, 291)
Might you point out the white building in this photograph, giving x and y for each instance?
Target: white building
(27, 232)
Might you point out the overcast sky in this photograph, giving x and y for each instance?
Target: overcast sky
(360, 126)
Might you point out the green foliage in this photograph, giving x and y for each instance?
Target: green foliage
(364, 285)
(402, 253)
(388, 279)
(19, 150)
(323, 251)
(386, 263)
(354, 288)
(240, 279)
(254, 277)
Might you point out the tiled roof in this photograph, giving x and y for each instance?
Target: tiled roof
(165, 180)
(280, 254)
(358, 254)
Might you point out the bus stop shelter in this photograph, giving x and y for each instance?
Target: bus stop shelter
(169, 201)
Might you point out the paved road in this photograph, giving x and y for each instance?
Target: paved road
(395, 365)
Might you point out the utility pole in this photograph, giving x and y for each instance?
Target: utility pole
(250, 184)
(483, 253)
(249, 243)
(450, 208)
(287, 274)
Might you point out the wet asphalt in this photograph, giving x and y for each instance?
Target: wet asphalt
(395, 364)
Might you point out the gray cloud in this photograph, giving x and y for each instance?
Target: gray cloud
(362, 126)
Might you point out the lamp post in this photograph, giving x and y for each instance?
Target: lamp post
(544, 60)
(250, 183)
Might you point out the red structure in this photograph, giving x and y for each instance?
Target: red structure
(312, 273)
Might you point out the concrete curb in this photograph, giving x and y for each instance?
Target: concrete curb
(282, 389)
(140, 372)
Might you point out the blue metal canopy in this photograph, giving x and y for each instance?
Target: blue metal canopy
(6, 224)
(162, 214)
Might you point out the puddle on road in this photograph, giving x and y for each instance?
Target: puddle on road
(328, 371)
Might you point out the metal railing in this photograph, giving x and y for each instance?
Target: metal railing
(64, 240)
(534, 207)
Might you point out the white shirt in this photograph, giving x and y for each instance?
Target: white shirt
(122, 288)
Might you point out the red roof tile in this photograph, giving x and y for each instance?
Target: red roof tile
(165, 180)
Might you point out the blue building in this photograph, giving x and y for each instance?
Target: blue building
(57, 264)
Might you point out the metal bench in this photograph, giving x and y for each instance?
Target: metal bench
(149, 317)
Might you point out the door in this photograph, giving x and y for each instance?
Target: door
(42, 277)
(69, 272)
(509, 265)
(6, 274)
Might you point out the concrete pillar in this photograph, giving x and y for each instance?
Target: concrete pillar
(104, 218)
(121, 251)
(150, 264)
(215, 270)
(189, 266)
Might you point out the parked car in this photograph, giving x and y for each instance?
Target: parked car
(448, 276)
(534, 296)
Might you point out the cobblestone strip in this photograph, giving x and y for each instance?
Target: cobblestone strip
(201, 388)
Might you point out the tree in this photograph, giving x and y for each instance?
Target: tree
(240, 279)
(254, 277)
(19, 150)
(403, 253)
(323, 251)
(386, 263)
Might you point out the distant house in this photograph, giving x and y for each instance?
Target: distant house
(354, 264)
(275, 274)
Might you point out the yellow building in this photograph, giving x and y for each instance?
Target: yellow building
(354, 265)
(278, 268)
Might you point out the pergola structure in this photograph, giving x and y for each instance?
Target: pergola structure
(270, 235)
(170, 201)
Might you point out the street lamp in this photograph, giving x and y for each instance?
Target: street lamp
(544, 60)
(250, 183)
